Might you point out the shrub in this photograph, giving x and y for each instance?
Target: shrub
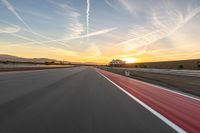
(198, 65)
(5, 62)
(180, 66)
(46, 63)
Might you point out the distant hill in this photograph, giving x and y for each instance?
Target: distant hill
(11, 58)
(4, 57)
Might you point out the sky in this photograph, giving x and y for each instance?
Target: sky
(101, 30)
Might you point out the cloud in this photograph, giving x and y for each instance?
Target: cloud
(90, 53)
(9, 29)
(121, 4)
(127, 5)
(74, 27)
(161, 24)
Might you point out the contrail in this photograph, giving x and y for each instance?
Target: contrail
(140, 37)
(164, 29)
(12, 9)
(88, 15)
(33, 41)
(26, 38)
(100, 32)
(35, 33)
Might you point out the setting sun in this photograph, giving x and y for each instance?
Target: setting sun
(129, 60)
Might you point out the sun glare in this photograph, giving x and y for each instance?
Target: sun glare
(129, 60)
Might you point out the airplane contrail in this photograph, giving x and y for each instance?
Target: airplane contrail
(100, 32)
(179, 19)
(35, 33)
(88, 15)
(12, 9)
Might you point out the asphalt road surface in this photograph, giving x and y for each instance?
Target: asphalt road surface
(70, 100)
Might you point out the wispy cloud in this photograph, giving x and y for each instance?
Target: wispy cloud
(162, 24)
(91, 52)
(74, 27)
(120, 5)
(127, 5)
(133, 29)
(9, 29)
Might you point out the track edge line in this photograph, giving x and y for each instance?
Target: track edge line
(160, 116)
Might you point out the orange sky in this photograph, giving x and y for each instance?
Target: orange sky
(101, 31)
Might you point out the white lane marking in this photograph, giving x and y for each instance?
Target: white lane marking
(163, 118)
(160, 87)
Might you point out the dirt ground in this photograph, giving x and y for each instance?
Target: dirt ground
(186, 84)
(181, 64)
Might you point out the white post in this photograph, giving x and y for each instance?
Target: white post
(127, 73)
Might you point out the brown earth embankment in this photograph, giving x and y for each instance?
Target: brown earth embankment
(186, 84)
